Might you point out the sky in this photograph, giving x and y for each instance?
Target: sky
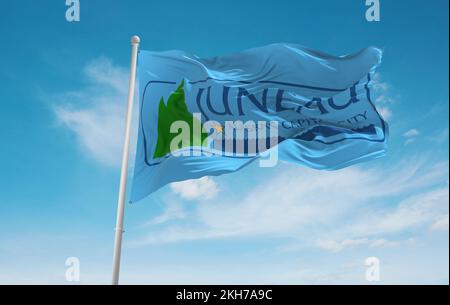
(63, 89)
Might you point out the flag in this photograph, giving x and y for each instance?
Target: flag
(206, 117)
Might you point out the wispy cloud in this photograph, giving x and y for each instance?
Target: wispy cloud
(203, 188)
(441, 224)
(383, 96)
(96, 113)
(411, 136)
(298, 201)
(383, 243)
(174, 210)
(382, 89)
(337, 246)
(411, 133)
(419, 210)
(385, 112)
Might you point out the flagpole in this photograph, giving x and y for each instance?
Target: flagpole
(135, 40)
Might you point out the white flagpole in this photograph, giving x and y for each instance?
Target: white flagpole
(135, 40)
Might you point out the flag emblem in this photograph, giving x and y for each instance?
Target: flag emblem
(175, 110)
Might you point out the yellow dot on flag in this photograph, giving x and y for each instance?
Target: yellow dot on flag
(218, 128)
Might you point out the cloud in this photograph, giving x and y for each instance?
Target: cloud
(440, 224)
(103, 72)
(174, 210)
(411, 133)
(329, 210)
(383, 90)
(411, 136)
(335, 246)
(410, 213)
(383, 243)
(203, 188)
(96, 113)
(385, 112)
(383, 96)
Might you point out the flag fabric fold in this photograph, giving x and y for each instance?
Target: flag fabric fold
(314, 109)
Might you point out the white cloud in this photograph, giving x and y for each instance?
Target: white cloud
(96, 113)
(385, 112)
(337, 246)
(382, 90)
(332, 210)
(409, 141)
(383, 243)
(441, 224)
(174, 210)
(411, 136)
(412, 212)
(203, 188)
(411, 133)
(103, 72)
(98, 130)
(383, 96)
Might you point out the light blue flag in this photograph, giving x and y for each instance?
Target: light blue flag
(207, 117)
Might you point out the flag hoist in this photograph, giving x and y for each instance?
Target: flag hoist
(135, 40)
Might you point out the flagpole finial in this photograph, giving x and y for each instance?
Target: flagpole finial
(135, 39)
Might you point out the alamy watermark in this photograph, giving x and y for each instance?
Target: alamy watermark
(373, 269)
(232, 138)
(73, 10)
(73, 269)
(373, 10)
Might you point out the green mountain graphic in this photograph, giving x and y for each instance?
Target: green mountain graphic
(176, 110)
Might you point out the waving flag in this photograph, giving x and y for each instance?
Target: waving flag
(213, 116)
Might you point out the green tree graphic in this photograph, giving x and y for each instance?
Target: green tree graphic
(175, 110)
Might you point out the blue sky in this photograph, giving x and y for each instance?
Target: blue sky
(63, 88)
